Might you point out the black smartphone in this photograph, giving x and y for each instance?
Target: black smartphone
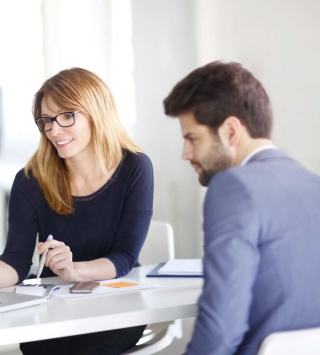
(84, 287)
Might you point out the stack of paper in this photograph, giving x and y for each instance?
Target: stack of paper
(183, 267)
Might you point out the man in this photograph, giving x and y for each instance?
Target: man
(261, 214)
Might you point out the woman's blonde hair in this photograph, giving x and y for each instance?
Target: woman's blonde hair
(71, 90)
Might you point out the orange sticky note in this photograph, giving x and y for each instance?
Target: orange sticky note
(120, 284)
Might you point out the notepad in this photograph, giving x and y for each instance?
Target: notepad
(40, 290)
(183, 267)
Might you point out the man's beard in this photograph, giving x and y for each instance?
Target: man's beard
(217, 159)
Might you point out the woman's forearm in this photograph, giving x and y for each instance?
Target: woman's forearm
(99, 269)
(9, 276)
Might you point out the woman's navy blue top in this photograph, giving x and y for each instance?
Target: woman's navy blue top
(112, 222)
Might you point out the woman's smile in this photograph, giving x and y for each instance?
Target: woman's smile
(61, 144)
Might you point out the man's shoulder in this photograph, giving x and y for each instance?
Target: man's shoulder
(238, 175)
(263, 180)
(229, 186)
(268, 165)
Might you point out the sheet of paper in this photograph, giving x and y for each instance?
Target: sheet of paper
(107, 287)
(119, 284)
(182, 267)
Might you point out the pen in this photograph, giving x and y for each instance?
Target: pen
(43, 259)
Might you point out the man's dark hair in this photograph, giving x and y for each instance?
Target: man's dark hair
(219, 90)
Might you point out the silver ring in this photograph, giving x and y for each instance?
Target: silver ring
(58, 255)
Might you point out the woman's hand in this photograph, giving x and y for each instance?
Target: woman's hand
(59, 259)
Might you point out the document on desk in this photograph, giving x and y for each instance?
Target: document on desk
(107, 287)
(178, 267)
(40, 290)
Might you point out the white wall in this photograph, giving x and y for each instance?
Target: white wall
(21, 74)
(164, 52)
(279, 42)
(77, 33)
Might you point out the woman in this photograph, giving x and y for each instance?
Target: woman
(89, 186)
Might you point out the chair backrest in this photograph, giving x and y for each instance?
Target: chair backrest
(159, 244)
(295, 342)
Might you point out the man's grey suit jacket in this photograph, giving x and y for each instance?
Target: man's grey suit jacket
(262, 255)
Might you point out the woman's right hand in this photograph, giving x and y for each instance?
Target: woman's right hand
(59, 259)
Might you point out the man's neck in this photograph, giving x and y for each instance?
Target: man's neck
(248, 147)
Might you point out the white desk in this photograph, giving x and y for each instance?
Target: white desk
(65, 317)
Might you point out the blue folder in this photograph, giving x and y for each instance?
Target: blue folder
(154, 273)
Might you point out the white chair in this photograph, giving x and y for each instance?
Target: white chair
(159, 244)
(158, 247)
(295, 342)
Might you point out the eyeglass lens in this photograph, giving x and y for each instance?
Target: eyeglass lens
(64, 120)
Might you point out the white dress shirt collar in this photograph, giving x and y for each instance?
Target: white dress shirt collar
(249, 156)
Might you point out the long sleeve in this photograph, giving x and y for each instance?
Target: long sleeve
(231, 227)
(135, 217)
(22, 228)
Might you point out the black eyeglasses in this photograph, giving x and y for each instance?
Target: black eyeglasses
(65, 119)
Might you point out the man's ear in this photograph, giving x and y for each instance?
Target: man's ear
(230, 131)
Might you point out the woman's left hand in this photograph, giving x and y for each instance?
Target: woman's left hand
(59, 259)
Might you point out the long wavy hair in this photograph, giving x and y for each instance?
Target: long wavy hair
(71, 90)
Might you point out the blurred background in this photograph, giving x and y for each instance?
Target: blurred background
(141, 48)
